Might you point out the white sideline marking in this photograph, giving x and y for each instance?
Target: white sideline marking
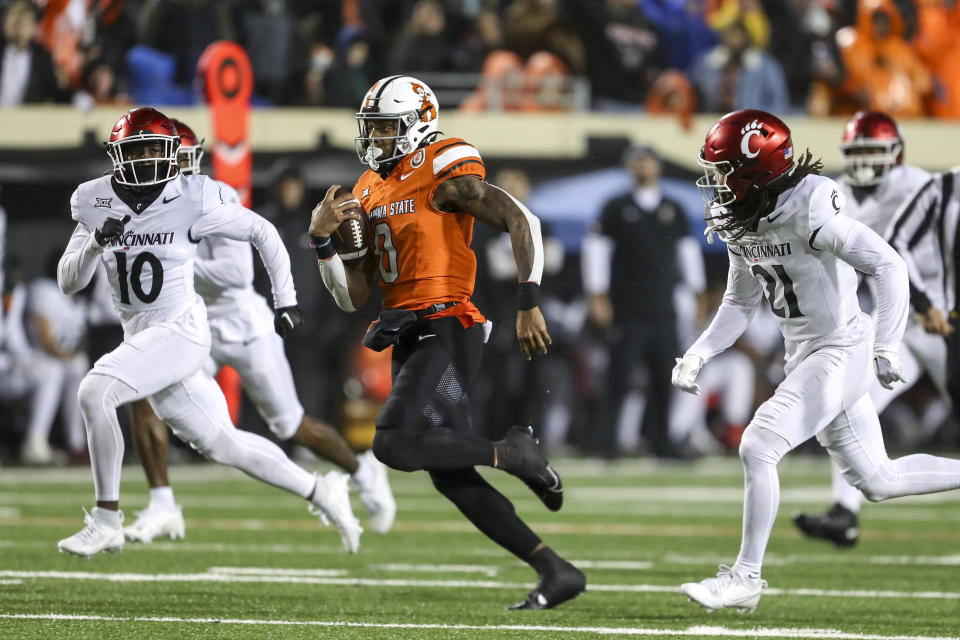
(11, 582)
(489, 570)
(269, 575)
(902, 512)
(627, 565)
(775, 560)
(486, 569)
(770, 560)
(255, 571)
(695, 631)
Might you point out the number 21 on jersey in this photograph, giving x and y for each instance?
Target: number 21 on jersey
(771, 280)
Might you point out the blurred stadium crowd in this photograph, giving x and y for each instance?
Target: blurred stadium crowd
(784, 56)
(614, 337)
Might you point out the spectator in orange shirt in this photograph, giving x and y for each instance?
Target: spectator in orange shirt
(501, 88)
(880, 64)
(937, 44)
(547, 83)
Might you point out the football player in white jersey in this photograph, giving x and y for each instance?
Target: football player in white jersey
(875, 185)
(241, 325)
(787, 240)
(143, 223)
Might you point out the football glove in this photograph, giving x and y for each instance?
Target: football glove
(686, 372)
(286, 319)
(110, 231)
(888, 368)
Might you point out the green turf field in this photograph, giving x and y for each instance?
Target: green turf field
(255, 565)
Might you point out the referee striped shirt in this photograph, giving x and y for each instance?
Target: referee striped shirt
(924, 232)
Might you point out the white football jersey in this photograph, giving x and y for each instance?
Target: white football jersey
(879, 208)
(150, 267)
(223, 275)
(811, 292)
(879, 205)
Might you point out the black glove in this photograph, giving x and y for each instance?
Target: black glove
(286, 319)
(110, 231)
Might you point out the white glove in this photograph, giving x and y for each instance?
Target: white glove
(888, 368)
(686, 372)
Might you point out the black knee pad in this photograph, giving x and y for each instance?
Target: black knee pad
(396, 448)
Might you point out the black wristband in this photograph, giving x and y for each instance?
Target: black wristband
(918, 300)
(529, 296)
(323, 246)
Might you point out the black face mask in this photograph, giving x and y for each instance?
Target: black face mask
(146, 171)
(137, 198)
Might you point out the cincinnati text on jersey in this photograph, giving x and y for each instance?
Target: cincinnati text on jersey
(757, 251)
(393, 209)
(131, 239)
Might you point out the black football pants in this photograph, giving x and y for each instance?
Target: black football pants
(425, 424)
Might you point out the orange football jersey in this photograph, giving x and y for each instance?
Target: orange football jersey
(424, 255)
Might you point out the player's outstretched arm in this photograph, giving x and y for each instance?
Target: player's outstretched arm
(231, 220)
(500, 210)
(228, 267)
(740, 301)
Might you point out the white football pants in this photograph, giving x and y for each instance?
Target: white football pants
(265, 372)
(919, 352)
(164, 366)
(826, 395)
(55, 386)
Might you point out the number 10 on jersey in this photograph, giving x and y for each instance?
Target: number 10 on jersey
(136, 270)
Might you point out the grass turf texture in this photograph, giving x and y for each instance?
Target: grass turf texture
(257, 562)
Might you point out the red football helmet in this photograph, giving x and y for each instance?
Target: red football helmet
(191, 149)
(872, 144)
(745, 149)
(143, 147)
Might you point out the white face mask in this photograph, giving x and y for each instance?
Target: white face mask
(868, 169)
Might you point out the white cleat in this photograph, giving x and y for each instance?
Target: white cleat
(103, 532)
(36, 451)
(377, 498)
(331, 501)
(154, 522)
(728, 589)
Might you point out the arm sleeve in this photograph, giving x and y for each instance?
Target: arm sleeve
(533, 224)
(595, 262)
(690, 265)
(854, 243)
(79, 260)
(740, 301)
(239, 223)
(229, 266)
(335, 280)
(909, 225)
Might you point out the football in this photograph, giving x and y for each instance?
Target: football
(352, 237)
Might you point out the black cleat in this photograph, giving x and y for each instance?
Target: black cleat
(555, 586)
(838, 525)
(519, 454)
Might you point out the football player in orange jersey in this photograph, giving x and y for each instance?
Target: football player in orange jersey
(422, 196)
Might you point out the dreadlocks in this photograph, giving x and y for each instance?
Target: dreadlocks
(743, 216)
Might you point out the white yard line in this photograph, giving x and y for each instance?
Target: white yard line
(268, 575)
(699, 631)
(649, 506)
(646, 563)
